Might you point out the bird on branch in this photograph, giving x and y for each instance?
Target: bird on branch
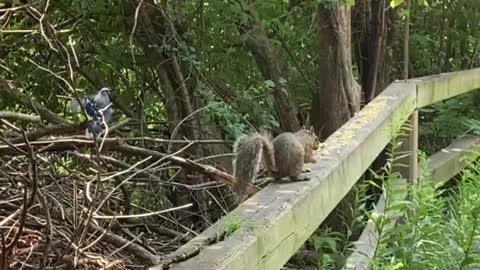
(98, 108)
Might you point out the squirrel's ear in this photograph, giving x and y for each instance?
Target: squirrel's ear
(303, 127)
(312, 129)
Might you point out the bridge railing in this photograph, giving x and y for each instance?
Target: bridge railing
(274, 223)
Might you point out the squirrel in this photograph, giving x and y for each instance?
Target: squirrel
(283, 156)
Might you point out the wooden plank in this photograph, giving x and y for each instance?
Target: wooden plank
(435, 88)
(281, 217)
(366, 245)
(451, 160)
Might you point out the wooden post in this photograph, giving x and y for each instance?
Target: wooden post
(412, 177)
(407, 166)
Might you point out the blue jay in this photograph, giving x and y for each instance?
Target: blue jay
(95, 106)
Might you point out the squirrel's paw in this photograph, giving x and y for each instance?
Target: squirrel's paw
(299, 178)
(306, 170)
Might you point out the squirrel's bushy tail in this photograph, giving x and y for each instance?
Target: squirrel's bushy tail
(250, 151)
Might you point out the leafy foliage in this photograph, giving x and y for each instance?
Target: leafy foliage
(438, 231)
(444, 121)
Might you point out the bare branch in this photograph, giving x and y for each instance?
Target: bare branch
(8, 90)
(19, 116)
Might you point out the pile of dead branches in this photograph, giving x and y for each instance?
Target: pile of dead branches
(73, 202)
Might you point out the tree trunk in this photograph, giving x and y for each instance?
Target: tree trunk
(156, 30)
(272, 66)
(372, 42)
(338, 96)
(373, 46)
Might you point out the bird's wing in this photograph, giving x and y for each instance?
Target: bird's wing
(86, 102)
(102, 99)
(75, 107)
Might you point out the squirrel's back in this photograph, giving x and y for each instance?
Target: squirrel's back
(289, 153)
(292, 150)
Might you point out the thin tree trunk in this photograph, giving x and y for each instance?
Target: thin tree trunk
(406, 41)
(157, 29)
(272, 65)
(370, 24)
(338, 96)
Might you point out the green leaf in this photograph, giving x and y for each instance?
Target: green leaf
(395, 3)
(269, 84)
(423, 2)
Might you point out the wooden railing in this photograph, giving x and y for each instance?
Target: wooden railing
(273, 224)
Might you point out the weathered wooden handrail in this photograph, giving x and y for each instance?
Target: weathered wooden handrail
(280, 218)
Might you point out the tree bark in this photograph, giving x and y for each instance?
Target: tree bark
(338, 96)
(272, 66)
(375, 31)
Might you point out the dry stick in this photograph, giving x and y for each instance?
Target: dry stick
(51, 130)
(77, 230)
(126, 245)
(70, 85)
(15, 8)
(3, 258)
(178, 141)
(117, 126)
(175, 130)
(116, 144)
(137, 11)
(53, 145)
(10, 217)
(130, 168)
(160, 229)
(10, 125)
(44, 260)
(20, 116)
(132, 248)
(118, 241)
(98, 238)
(27, 204)
(145, 214)
(87, 189)
(21, 151)
(91, 207)
(7, 89)
(135, 173)
(185, 163)
(149, 176)
(105, 124)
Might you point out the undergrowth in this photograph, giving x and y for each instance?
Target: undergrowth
(439, 229)
(430, 228)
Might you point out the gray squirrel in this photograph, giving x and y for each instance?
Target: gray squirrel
(283, 156)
